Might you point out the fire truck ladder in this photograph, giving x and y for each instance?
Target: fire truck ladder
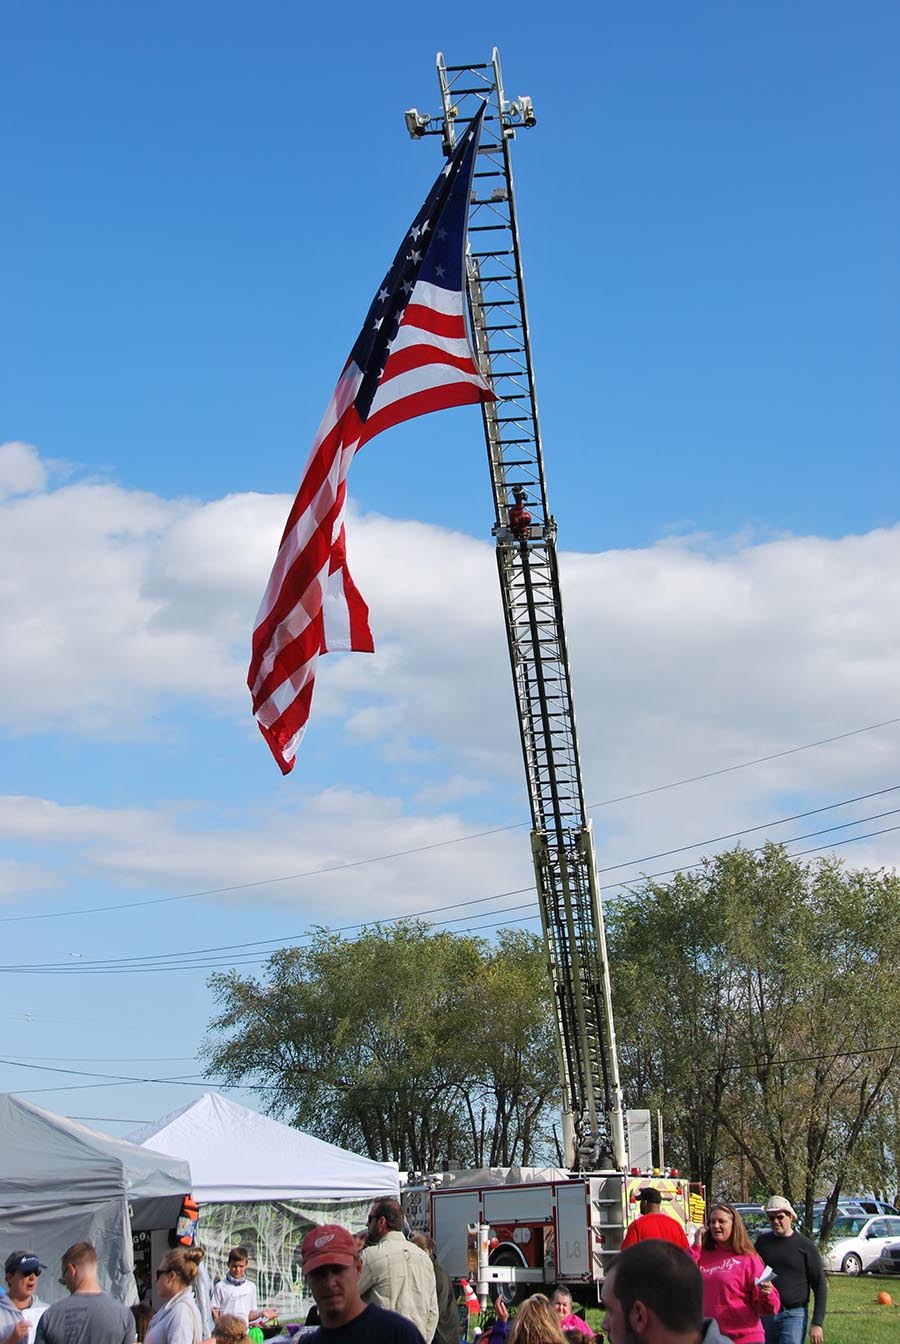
(525, 533)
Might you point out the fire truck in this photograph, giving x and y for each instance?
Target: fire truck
(487, 1228)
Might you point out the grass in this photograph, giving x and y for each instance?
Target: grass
(853, 1316)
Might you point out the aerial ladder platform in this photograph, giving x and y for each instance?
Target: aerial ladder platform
(525, 533)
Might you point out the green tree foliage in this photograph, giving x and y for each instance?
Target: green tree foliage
(404, 1044)
(757, 1005)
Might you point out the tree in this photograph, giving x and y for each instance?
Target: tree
(759, 1004)
(515, 1063)
(409, 1045)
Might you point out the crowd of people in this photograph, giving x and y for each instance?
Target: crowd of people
(751, 1294)
(380, 1287)
(188, 1313)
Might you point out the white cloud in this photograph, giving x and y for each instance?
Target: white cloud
(21, 469)
(319, 851)
(119, 608)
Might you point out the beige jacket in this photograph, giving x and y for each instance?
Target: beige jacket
(399, 1276)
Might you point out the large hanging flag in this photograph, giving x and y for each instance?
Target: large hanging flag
(412, 356)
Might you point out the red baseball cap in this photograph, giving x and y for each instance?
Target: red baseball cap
(328, 1245)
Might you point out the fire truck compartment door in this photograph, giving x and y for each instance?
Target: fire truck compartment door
(451, 1216)
(518, 1204)
(573, 1236)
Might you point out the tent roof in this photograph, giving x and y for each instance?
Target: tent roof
(238, 1155)
(45, 1157)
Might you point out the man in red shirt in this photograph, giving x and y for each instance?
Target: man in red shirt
(653, 1224)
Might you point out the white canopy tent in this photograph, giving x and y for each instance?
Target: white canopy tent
(61, 1182)
(263, 1184)
(238, 1155)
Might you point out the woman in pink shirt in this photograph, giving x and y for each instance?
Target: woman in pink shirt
(561, 1301)
(731, 1269)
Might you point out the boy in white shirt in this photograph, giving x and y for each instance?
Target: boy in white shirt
(235, 1295)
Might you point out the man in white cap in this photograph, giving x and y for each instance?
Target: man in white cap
(799, 1272)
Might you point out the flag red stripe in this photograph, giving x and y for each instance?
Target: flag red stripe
(301, 576)
(417, 356)
(429, 319)
(421, 403)
(281, 732)
(294, 560)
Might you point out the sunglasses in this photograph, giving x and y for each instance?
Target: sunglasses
(777, 1217)
(161, 1272)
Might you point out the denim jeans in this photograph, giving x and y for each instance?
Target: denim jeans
(787, 1326)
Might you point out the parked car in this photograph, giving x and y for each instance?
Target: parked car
(857, 1242)
(754, 1217)
(852, 1208)
(888, 1262)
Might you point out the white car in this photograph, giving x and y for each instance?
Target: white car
(857, 1242)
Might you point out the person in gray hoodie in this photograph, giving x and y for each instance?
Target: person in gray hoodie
(13, 1325)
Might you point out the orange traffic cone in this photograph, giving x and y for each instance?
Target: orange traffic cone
(469, 1295)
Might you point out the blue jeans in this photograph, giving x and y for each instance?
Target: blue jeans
(787, 1326)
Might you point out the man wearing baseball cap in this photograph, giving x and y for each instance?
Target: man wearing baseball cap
(653, 1224)
(23, 1269)
(331, 1266)
(799, 1270)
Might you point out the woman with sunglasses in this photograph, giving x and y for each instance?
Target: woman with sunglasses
(732, 1292)
(178, 1319)
(23, 1269)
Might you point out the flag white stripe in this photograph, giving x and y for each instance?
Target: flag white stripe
(284, 695)
(446, 301)
(420, 336)
(424, 379)
(305, 527)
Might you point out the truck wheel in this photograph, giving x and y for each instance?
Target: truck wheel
(515, 1293)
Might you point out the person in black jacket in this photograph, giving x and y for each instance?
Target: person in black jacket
(799, 1271)
(448, 1328)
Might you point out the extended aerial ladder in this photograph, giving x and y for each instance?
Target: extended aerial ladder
(525, 533)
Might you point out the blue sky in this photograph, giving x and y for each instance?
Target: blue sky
(200, 201)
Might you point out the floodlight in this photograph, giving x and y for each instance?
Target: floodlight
(416, 122)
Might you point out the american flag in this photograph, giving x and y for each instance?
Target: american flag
(412, 356)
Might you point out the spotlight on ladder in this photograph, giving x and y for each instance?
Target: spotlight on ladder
(416, 122)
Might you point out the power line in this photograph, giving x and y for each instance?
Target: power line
(261, 1087)
(115, 968)
(810, 1059)
(179, 960)
(759, 760)
(107, 1120)
(839, 826)
(441, 844)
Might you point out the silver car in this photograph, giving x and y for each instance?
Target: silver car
(857, 1242)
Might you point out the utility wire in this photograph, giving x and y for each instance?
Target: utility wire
(262, 1087)
(440, 844)
(258, 959)
(174, 960)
